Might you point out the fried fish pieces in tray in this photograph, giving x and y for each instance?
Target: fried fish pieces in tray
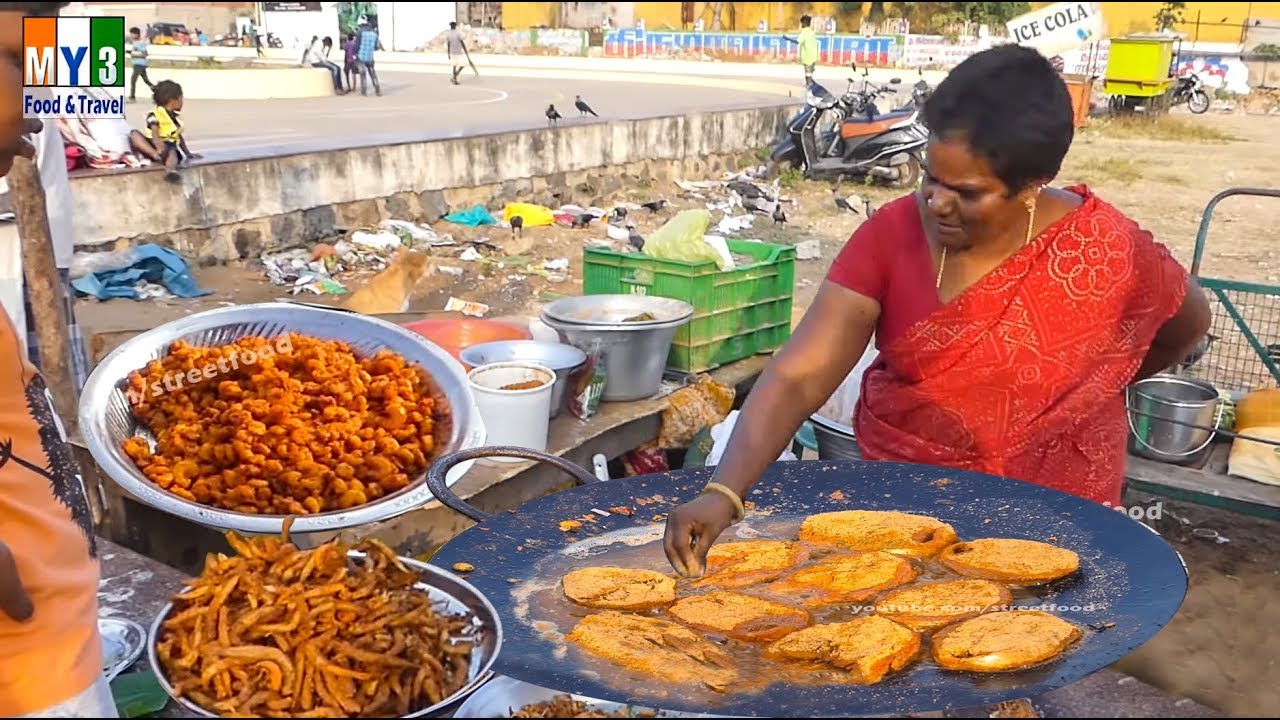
(739, 564)
(1016, 562)
(846, 578)
(660, 648)
(738, 616)
(869, 648)
(1004, 641)
(894, 532)
(928, 607)
(610, 588)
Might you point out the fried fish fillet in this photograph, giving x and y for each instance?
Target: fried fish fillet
(869, 647)
(895, 532)
(846, 578)
(611, 588)
(738, 564)
(1019, 562)
(741, 617)
(1003, 641)
(666, 650)
(927, 607)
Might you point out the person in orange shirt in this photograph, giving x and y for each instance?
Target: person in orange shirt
(50, 651)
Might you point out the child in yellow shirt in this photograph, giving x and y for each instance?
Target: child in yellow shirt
(164, 128)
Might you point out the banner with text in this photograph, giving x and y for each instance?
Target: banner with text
(1060, 27)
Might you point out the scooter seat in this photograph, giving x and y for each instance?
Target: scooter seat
(862, 127)
(896, 114)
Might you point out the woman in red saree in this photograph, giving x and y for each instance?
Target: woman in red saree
(1009, 316)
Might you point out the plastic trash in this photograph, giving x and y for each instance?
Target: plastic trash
(474, 216)
(840, 406)
(682, 239)
(416, 233)
(533, 215)
(720, 437)
(385, 240)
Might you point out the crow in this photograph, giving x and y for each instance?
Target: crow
(553, 115)
(843, 204)
(583, 108)
(779, 217)
(635, 240)
(583, 220)
(619, 214)
(654, 206)
(517, 225)
(866, 206)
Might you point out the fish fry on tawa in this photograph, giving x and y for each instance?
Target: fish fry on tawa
(741, 617)
(846, 578)
(283, 429)
(894, 532)
(660, 648)
(739, 564)
(1003, 641)
(1016, 562)
(869, 647)
(610, 588)
(564, 706)
(927, 607)
(275, 631)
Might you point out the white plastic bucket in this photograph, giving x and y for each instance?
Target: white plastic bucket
(515, 418)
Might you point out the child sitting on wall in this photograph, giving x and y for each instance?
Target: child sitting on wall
(164, 129)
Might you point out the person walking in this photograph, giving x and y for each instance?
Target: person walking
(808, 43)
(138, 51)
(368, 43)
(457, 49)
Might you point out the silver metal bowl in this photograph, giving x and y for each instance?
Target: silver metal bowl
(106, 419)
(634, 353)
(559, 357)
(448, 592)
(502, 695)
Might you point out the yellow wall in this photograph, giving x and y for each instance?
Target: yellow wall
(1219, 21)
(523, 15)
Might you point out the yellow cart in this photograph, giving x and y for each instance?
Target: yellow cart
(1140, 73)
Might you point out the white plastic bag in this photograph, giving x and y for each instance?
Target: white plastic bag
(720, 438)
(840, 406)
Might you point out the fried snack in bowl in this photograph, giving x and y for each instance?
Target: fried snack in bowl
(292, 425)
(275, 631)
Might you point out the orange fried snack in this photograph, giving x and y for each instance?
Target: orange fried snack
(1018, 562)
(247, 428)
(1004, 641)
(738, 616)
(618, 588)
(739, 564)
(930, 606)
(280, 632)
(846, 578)
(660, 648)
(895, 532)
(869, 648)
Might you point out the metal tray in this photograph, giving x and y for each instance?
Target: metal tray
(448, 592)
(502, 695)
(122, 644)
(106, 419)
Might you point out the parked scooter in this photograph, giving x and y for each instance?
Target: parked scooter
(1190, 89)
(855, 138)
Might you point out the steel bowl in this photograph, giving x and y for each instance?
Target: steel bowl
(561, 358)
(106, 419)
(502, 695)
(634, 355)
(448, 592)
(835, 440)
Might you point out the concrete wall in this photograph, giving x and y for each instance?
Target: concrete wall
(233, 210)
(257, 83)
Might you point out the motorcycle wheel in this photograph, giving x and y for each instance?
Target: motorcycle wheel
(909, 172)
(1198, 102)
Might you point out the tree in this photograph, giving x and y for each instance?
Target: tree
(1169, 15)
(989, 13)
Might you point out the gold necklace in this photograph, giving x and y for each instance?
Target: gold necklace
(1031, 222)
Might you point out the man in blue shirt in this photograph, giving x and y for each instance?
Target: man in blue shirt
(368, 42)
(138, 50)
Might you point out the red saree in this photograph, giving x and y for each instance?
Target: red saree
(1022, 374)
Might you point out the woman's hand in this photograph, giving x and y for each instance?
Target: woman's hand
(692, 528)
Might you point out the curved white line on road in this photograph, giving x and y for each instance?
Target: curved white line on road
(501, 95)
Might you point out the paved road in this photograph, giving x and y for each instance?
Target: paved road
(415, 105)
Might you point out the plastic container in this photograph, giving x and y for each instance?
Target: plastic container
(514, 417)
(563, 359)
(737, 313)
(456, 334)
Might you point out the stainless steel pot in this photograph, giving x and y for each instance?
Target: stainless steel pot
(634, 354)
(559, 357)
(835, 441)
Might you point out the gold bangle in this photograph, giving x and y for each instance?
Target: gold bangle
(739, 510)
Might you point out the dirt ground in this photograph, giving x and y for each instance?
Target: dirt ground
(1162, 175)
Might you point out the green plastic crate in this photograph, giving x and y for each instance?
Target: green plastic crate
(736, 314)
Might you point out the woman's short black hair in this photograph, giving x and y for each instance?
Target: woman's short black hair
(1012, 109)
(166, 91)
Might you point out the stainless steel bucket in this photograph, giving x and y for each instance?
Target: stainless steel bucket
(1161, 410)
(835, 441)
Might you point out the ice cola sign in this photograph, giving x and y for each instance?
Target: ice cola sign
(1059, 28)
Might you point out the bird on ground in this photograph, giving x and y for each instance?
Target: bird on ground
(654, 205)
(517, 225)
(583, 107)
(619, 214)
(582, 220)
(843, 203)
(553, 115)
(779, 217)
(635, 239)
(866, 206)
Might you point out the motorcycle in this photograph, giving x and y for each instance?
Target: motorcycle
(1190, 89)
(856, 139)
